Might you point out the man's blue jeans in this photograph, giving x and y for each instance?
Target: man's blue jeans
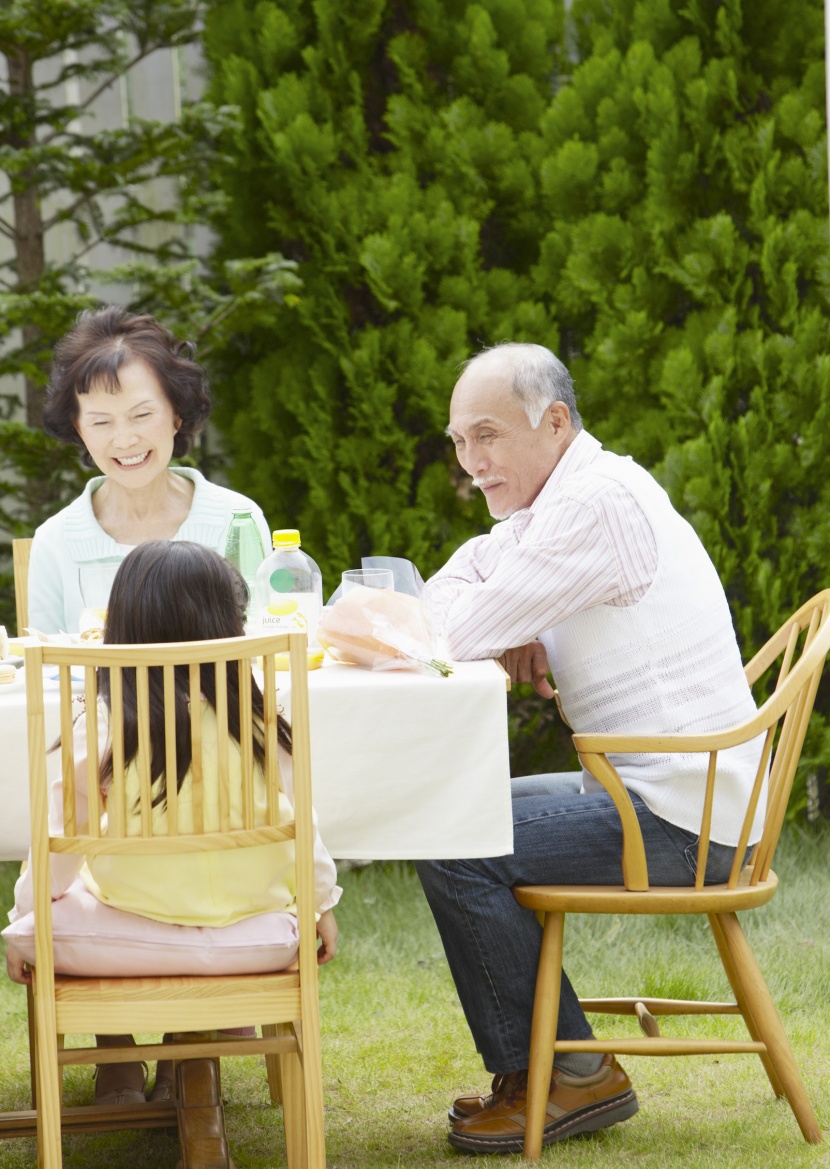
(560, 837)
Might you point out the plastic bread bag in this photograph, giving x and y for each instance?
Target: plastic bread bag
(380, 630)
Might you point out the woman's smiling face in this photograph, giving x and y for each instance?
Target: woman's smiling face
(129, 433)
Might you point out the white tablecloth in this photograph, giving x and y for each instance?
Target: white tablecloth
(403, 766)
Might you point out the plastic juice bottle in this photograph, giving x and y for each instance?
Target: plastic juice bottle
(244, 550)
(288, 592)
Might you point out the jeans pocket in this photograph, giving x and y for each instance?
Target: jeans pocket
(718, 862)
(690, 854)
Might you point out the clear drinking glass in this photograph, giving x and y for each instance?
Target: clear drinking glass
(369, 578)
(95, 582)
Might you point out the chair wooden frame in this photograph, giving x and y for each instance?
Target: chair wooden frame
(21, 550)
(786, 714)
(285, 1004)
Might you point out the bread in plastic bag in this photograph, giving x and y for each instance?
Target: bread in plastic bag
(380, 630)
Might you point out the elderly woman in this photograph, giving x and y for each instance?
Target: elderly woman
(132, 398)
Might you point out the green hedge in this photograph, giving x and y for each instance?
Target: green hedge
(643, 189)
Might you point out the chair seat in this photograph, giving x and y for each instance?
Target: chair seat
(656, 900)
(176, 1004)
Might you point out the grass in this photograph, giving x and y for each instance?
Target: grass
(397, 1049)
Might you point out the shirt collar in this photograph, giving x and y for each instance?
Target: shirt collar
(582, 451)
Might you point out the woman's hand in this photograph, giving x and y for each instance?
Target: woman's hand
(327, 933)
(19, 971)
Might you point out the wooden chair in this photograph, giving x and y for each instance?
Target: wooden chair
(20, 557)
(284, 1003)
(800, 646)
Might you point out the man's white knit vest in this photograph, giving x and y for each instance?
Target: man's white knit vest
(667, 664)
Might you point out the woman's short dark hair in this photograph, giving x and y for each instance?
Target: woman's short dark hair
(99, 344)
(167, 591)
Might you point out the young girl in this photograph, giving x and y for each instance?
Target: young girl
(167, 592)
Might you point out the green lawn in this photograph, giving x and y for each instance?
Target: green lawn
(396, 1048)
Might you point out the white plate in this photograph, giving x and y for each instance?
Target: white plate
(76, 675)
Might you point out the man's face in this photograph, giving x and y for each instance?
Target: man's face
(509, 461)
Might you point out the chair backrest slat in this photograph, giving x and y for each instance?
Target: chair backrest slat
(272, 773)
(93, 762)
(170, 758)
(67, 754)
(116, 802)
(749, 818)
(21, 550)
(246, 747)
(195, 678)
(144, 756)
(706, 822)
(222, 745)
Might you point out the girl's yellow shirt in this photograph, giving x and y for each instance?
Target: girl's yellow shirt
(200, 888)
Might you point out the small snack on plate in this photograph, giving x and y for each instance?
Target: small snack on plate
(314, 660)
(91, 625)
(7, 673)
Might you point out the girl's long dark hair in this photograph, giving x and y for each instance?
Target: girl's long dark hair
(177, 591)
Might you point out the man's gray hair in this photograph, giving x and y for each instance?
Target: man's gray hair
(538, 378)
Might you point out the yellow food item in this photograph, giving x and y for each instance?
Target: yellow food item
(7, 674)
(314, 660)
(282, 608)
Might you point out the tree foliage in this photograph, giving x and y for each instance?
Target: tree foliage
(652, 205)
(687, 263)
(99, 186)
(388, 148)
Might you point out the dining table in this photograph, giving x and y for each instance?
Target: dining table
(405, 766)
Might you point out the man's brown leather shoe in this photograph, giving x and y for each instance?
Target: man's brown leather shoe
(576, 1104)
(201, 1116)
(471, 1105)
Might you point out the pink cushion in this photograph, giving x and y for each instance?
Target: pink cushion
(94, 939)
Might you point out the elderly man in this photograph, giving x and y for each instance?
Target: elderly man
(595, 575)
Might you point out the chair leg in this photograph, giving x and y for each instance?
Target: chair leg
(741, 1000)
(293, 1102)
(769, 1025)
(48, 1086)
(312, 1062)
(272, 1067)
(543, 1032)
(30, 1018)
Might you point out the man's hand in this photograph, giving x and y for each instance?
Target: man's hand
(529, 663)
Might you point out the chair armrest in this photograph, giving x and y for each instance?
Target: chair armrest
(671, 744)
(634, 867)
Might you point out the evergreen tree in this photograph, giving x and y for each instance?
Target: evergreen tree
(686, 260)
(653, 208)
(389, 149)
(98, 186)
